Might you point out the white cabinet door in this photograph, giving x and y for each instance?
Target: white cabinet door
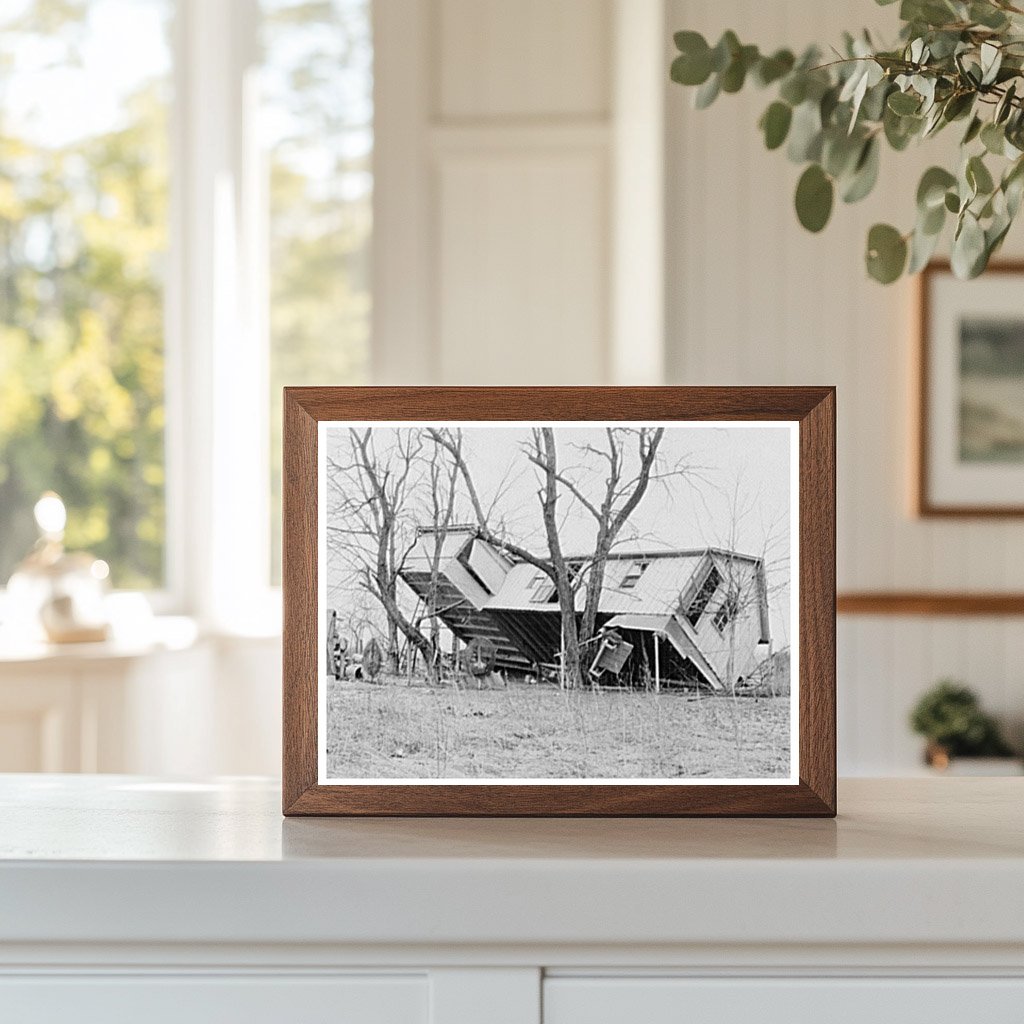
(202, 999)
(783, 1000)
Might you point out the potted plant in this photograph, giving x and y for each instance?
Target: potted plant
(950, 718)
(956, 62)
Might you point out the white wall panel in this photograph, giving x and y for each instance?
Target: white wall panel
(530, 58)
(522, 285)
(754, 299)
(493, 204)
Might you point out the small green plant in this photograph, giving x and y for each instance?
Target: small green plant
(950, 717)
(956, 61)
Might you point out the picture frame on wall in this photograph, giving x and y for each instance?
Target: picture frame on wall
(559, 601)
(970, 418)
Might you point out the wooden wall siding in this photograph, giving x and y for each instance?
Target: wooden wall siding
(752, 298)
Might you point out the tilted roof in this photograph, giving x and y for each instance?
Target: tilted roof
(657, 589)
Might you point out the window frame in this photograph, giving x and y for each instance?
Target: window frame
(692, 617)
(215, 319)
(727, 611)
(634, 573)
(172, 596)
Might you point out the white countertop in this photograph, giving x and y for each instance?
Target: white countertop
(120, 859)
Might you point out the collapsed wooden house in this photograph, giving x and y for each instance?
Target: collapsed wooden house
(695, 617)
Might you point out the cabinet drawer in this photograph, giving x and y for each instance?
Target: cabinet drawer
(204, 999)
(654, 1000)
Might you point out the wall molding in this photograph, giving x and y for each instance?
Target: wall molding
(917, 603)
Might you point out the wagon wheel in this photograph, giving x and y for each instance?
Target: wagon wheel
(372, 660)
(479, 657)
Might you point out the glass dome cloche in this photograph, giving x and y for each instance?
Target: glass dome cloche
(57, 595)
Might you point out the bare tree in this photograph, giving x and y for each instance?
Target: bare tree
(747, 588)
(554, 567)
(544, 455)
(372, 490)
(625, 485)
(623, 491)
(444, 480)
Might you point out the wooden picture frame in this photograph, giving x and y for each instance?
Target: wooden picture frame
(809, 791)
(934, 476)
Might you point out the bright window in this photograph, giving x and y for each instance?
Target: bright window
(110, 186)
(317, 117)
(83, 236)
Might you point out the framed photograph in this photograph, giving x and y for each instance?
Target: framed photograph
(559, 601)
(970, 450)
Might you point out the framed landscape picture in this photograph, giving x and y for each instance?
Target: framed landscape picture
(559, 601)
(970, 451)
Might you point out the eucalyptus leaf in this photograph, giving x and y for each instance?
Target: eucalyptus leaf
(865, 174)
(978, 176)
(932, 220)
(929, 12)
(735, 74)
(968, 247)
(958, 105)
(828, 106)
(689, 70)
(922, 248)
(993, 138)
(794, 88)
(873, 106)
(903, 103)
(931, 190)
(814, 196)
(775, 124)
(886, 253)
(925, 87)
(900, 130)
(805, 133)
(840, 152)
(973, 130)
(933, 121)
(991, 61)
(1013, 187)
(724, 51)
(707, 93)
(987, 15)
(771, 69)
(1005, 105)
(1014, 192)
(693, 65)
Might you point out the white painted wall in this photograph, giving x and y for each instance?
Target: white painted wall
(753, 299)
(508, 138)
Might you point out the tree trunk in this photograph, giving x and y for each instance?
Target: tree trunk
(595, 583)
(571, 662)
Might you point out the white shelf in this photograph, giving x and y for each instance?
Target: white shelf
(124, 860)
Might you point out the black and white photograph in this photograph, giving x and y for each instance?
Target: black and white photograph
(971, 429)
(991, 389)
(557, 602)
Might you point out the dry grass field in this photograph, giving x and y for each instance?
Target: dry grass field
(391, 730)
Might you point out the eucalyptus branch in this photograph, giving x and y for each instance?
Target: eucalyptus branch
(956, 61)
